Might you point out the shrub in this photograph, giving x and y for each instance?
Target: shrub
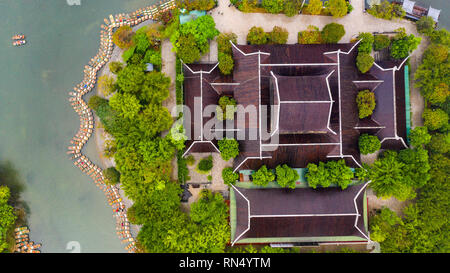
(226, 63)
(364, 62)
(403, 44)
(368, 144)
(223, 42)
(187, 49)
(332, 33)
(205, 165)
(286, 176)
(366, 103)
(311, 35)
(95, 102)
(439, 94)
(291, 8)
(123, 37)
(115, 67)
(435, 119)
(229, 148)
(314, 7)
(386, 10)
(333, 172)
(273, 6)
(196, 4)
(112, 176)
(337, 8)
(127, 54)
(419, 136)
(257, 36)
(229, 177)
(278, 35)
(425, 25)
(226, 108)
(106, 85)
(209, 177)
(263, 176)
(366, 44)
(190, 160)
(440, 143)
(381, 42)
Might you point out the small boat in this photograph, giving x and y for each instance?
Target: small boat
(19, 42)
(18, 37)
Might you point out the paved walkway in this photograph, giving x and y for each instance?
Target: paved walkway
(230, 19)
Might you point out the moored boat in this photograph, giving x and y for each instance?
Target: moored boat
(18, 37)
(19, 42)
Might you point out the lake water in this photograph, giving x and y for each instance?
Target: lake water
(37, 121)
(443, 5)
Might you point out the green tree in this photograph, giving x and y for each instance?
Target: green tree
(273, 6)
(365, 100)
(381, 42)
(368, 144)
(115, 67)
(440, 143)
(402, 44)
(291, 7)
(155, 88)
(187, 49)
(226, 63)
(425, 25)
(7, 216)
(339, 174)
(434, 119)
(112, 176)
(386, 10)
(257, 36)
(278, 35)
(332, 33)
(314, 7)
(131, 78)
(126, 105)
(439, 94)
(210, 209)
(226, 108)
(364, 62)
(223, 42)
(419, 136)
(229, 148)
(205, 165)
(229, 177)
(338, 8)
(141, 42)
(154, 120)
(311, 35)
(286, 177)
(317, 175)
(387, 178)
(263, 176)
(95, 102)
(366, 44)
(106, 85)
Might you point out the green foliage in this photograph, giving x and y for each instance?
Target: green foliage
(131, 78)
(154, 120)
(273, 6)
(141, 42)
(365, 100)
(312, 35)
(435, 119)
(338, 8)
(366, 44)
(291, 8)
(386, 10)
(192, 38)
(381, 42)
(112, 176)
(229, 148)
(257, 36)
(226, 108)
(190, 160)
(425, 25)
(229, 177)
(278, 35)
(440, 143)
(263, 176)
(332, 33)
(226, 63)
(155, 88)
(368, 144)
(402, 44)
(223, 42)
(126, 105)
(286, 177)
(205, 165)
(419, 136)
(115, 67)
(326, 174)
(123, 37)
(196, 4)
(95, 102)
(153, 57)
(127, 54)
(210, 209)
(106, 85)
(7, 216)
(314, 7)
(441, 36)
(433, 74)
(364, 62)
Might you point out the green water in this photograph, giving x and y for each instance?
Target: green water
(37, 121)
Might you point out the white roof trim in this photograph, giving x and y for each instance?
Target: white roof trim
(248, 54)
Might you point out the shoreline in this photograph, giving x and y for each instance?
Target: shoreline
(96, 64)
